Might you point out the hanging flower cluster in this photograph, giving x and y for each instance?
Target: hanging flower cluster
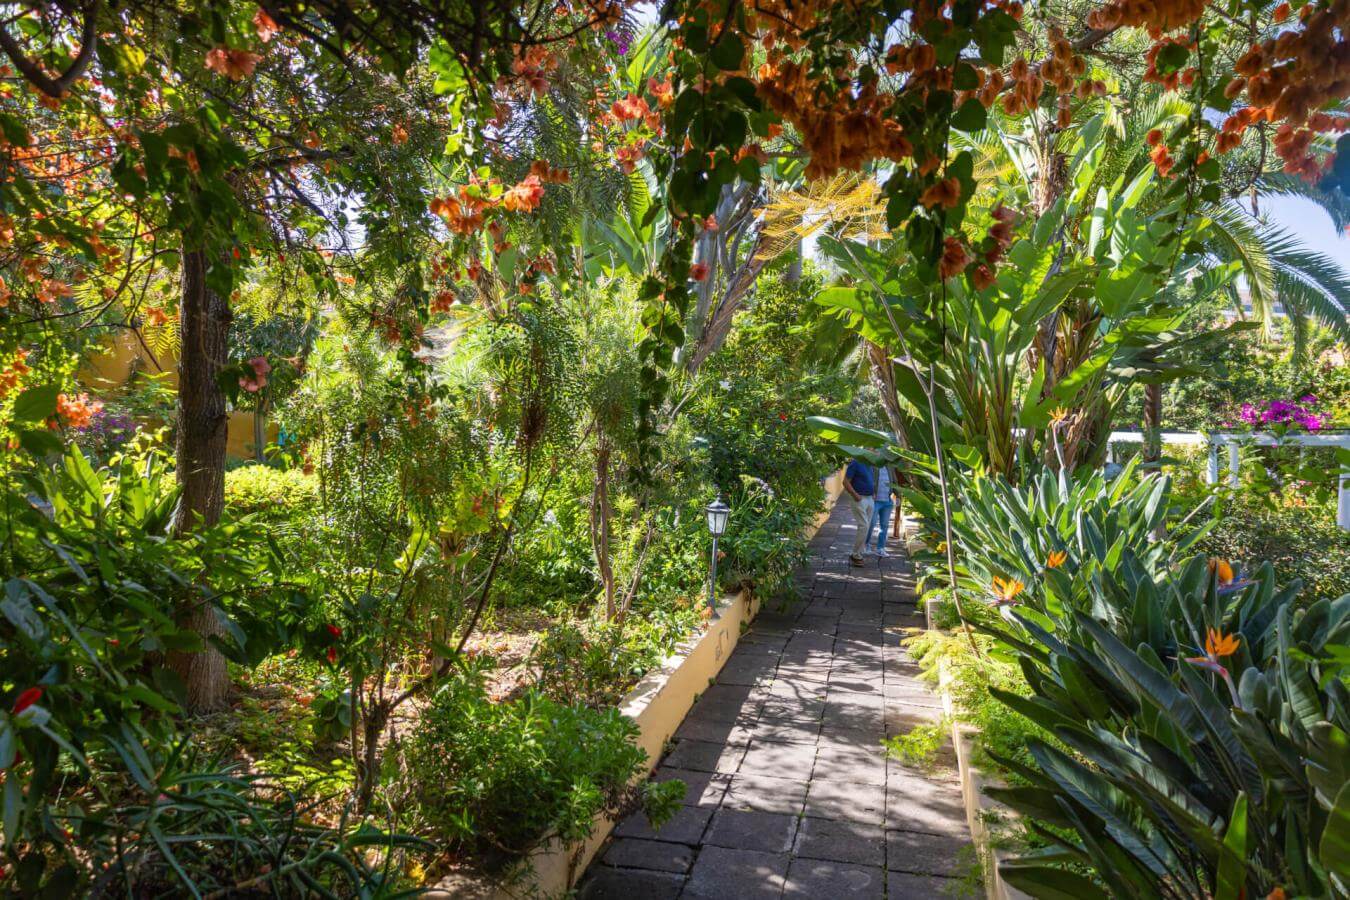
(1291, 77)
(77, 411)
(13, 372)
(258, 380)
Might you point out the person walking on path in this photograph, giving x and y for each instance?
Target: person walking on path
(860, 486)
(881, 511)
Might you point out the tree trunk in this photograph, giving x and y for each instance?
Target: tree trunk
(1152, 423)
(883, 378)
(794, 269)
(200, 452)
(259, 430)
(600, 527)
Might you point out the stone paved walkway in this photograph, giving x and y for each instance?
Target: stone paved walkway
(790, 793)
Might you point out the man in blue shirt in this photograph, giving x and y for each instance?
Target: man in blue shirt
(860, 486)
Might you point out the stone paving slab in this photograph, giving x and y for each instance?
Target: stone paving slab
(790, 793)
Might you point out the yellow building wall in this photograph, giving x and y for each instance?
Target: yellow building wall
(122, 356)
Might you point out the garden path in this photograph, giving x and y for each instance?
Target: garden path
(790, 793)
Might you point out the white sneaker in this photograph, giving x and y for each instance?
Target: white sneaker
(882, 553)
(868, 551)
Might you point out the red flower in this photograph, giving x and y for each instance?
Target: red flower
(26, 699)
(332, 655)
(782, 417)
(698, 272)
(334, 630)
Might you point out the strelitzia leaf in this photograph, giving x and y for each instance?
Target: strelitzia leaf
(1232, 872)
(1049, 883)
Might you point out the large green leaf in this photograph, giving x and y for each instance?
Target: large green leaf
(1232, 868)
(1049, 883)
(839, 432)
(1334, 851)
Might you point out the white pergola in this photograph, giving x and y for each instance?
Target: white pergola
(1235, 440)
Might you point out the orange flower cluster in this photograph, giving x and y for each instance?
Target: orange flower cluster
(463, 214)
(1162, 157)
(841, 132)
(533, 69)
(1289, 79)
(235, 65)
(663, 91)
(1026, 90)
(1171, 80)
(77, 412)
(265, 26)
(945, 193)
(628, 156)
(994, 245)
(12, 374)
(1063, 69)
(525, 196)
(1156, 15)
(955, 257)
(631, 107)
(549, 174)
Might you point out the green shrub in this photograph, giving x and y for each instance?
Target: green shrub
(501, 778)
(270, 493)
(1301, 540)
(592, 669)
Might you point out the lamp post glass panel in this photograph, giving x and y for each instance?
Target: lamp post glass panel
(717, 514)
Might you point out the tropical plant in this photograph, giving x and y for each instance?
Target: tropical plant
(1053, 546)
(1204, 755)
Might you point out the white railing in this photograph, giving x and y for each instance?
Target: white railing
(1234, 441)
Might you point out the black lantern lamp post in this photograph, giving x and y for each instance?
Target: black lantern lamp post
(717, 514)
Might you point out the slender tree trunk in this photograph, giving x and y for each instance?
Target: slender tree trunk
(600, 528)
(200, 453)
(794, 269)
(1050, 182)
(1152, 423)
(883, 378)
(259, 429)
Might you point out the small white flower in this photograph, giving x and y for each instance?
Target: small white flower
(550, 518)
(725, 384)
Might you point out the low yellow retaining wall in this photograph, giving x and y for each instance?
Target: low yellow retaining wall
(980, 809)
(834, 486)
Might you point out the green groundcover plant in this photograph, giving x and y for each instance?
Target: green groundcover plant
(501, 778)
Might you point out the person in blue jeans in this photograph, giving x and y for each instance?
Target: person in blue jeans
(881, 510)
